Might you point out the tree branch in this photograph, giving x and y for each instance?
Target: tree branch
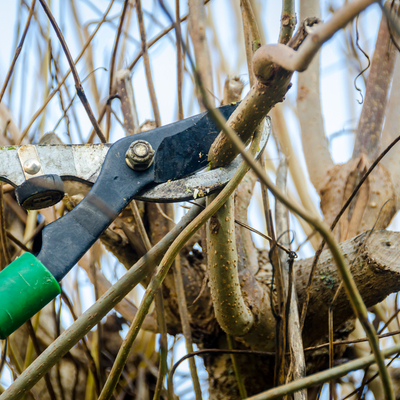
(288, 21)
(292, 60)
(263, 95)
(379, 80)
(314, 141)
(18, 50)
(350, 287)
(78, 84)
(95, 313)
(127, 98)
(233, 315)
(294, 339)
(197, 29)
(146, 60)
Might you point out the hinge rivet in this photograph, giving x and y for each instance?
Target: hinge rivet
(32, 166)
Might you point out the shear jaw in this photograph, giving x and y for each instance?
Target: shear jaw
(79, 166)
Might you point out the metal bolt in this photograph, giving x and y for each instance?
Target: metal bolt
(140, 155)
(32, 166)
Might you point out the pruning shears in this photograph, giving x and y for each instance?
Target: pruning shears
(156, 165)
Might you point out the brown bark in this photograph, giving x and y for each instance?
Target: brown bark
(376, 96)
(269, 89)
(374, 260)
(368, 207)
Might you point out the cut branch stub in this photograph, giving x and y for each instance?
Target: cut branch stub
(368, 207)
(374, 261)
(272, 84)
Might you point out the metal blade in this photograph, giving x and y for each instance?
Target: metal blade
(182, 151)
(200, 184)
(77, 162)
(186, 152)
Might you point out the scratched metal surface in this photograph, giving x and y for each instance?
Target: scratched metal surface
(199, 185)
(83, 163)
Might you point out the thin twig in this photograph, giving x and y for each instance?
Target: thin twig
(18, 50)
(185, 322)
(236, 368)
(162, 325)
(146, 61)
(86, 350)
(179, 69)
(78, 84)
(251, 18)
(288, 21)
(17, 242)
(112, 62)
(252, 38)
(197, 29)
(278, 261)
(54, 92)
(35, 342)
(157, 38)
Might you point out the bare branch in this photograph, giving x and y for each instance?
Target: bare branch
(379, 80)
(146, 60)
(299, 60)
(231, 312)
(288, 21)
(391, 132)
(197, 21)
(78, 84)
(309, 111)
(18, 50)
(127, 98)
(263, 95)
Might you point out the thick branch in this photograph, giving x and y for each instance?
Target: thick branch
(315, 143)
(263, 95)
(127, 97)
(376, 96)
(374, 262)
(390, 132)
(295, 343)
(292, 60)
(230, 309)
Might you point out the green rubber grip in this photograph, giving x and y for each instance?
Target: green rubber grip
(26, 286)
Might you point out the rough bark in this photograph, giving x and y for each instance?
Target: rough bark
(315, 144)
(368, 207)
(379, 80)
(374, 260)
(270, 88)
